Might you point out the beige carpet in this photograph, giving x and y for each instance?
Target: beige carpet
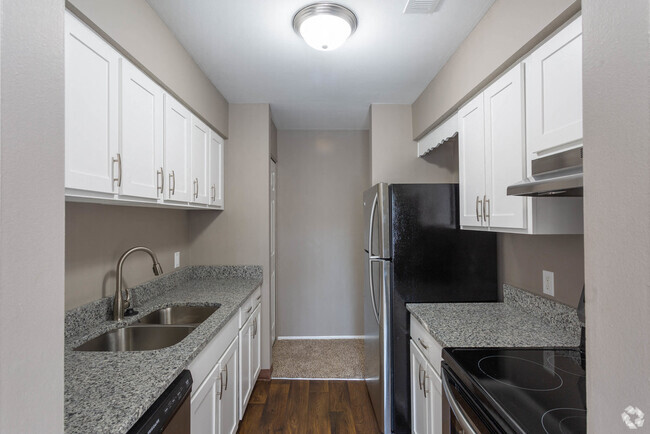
(318, 358)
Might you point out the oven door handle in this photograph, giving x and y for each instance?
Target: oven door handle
(455, 407)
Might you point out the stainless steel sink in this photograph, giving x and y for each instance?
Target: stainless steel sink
(179, 315)
(138, 338)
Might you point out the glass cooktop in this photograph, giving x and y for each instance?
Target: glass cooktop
(530, 390)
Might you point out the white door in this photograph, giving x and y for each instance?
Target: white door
(204, 407)
(434, 400)
(256, 345)
(228, 403)
(471, 157)
(419, 407)
(216, 170)
(274, 171)
(245, 386)
(141, 140)
(505, 154)
(554, 92)
(91, 109)
(177, 150)
(199, 161)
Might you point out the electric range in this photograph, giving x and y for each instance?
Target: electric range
(514, 390)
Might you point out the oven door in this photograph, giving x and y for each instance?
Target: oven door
(458, 416)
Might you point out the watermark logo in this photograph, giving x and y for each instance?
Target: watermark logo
(633, 417)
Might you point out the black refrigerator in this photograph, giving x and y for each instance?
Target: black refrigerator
(414, 252)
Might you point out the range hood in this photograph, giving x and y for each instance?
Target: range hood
(555, 175)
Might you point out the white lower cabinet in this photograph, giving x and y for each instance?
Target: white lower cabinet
(250, 359)
(226, 368)
(426, 395)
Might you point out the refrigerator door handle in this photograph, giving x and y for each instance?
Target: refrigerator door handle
(372, 288)
(372, 224)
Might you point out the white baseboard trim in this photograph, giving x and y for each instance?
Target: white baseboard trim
(295, 338)
(317, 379)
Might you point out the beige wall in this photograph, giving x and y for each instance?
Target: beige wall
(508, 30)
(616, 63)
(321, 179)
(522, 258)
(31, 216)
(97, 235)
(240, 234)
(394, 153)
(138, 30)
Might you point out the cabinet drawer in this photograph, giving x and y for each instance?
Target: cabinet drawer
(249, 305)
(430, 348)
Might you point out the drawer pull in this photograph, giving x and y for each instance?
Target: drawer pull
(425, 346)
(249, 309)
(258, 297)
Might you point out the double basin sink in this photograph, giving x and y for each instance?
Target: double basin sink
(160, 329)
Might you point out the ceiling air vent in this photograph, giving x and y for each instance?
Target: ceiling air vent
(421, 6)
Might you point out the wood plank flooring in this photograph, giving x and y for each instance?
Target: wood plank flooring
(309, 406)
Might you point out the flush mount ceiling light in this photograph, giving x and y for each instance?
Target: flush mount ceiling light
(325, 26)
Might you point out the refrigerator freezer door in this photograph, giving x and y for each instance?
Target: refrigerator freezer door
(377, 339)
(376, 215)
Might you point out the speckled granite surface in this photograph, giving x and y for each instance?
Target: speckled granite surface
(521, 320)
(107, 392)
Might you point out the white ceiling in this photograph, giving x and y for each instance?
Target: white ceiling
(250, 52)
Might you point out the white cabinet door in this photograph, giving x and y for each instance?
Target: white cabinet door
(204, 405)
(245, 383)
(91, 109)
(228, 403)
(419, 407)
(200, 140)
(505, 154)
(256, 345)
(216, 170)
(434, 400)
(554, 92)
(141, 140)
(274, 171)
(178, 121)
(471, 156)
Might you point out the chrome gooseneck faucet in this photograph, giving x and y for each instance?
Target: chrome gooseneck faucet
(119, 303)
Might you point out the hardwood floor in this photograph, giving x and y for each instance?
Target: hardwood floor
(309, 406)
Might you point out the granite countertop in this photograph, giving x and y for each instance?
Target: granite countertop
(521, 320)
(107, 392)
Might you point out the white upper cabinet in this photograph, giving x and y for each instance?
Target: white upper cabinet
(492, 155)
(505, 156)
(471, 156)
(177, 150)
(128, 142)
(141, 140)
(554, 92)
(91, 109)
(200, 139)
(216, 170)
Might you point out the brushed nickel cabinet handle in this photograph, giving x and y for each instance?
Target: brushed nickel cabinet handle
(214, 193)
(118, 160)
(478, 214)
(220, 385)
(486, 208)
(172, 183)
(226, 371)
(160, 176)
(424, 385)
(420, 371)
(258, 297)
(425, 346)
(196, 188)
(249, 309)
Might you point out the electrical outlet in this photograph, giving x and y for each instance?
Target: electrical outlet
(177, 259)
(548, 279)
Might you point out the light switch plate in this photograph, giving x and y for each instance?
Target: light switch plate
(177, 259)
(548, 279)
